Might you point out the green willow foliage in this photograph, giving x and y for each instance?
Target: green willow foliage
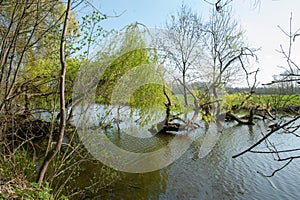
(132, 73)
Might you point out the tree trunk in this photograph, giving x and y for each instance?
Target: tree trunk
(71, 115)
(62, 125)
(27, 111)
(184, 89)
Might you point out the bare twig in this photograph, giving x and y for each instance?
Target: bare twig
(277, 170)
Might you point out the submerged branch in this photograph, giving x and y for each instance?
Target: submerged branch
(240, 121)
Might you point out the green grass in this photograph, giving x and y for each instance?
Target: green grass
(180, 99)
(276, 102)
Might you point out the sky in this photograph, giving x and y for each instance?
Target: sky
(260, 23)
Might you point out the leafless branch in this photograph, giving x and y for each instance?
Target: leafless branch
(296, 35)
(277, 170)
(266, 136)
(272, 152)
(95, 8)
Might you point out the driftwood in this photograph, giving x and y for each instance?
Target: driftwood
(249, 120)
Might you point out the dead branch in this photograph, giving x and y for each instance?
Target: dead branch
(266, 136)
(277, 170)
(240, 121)
(271, 152)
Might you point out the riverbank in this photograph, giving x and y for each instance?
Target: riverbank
(74, 172)
(23, 151)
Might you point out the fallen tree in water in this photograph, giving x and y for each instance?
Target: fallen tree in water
(167, 124)
(248, 121)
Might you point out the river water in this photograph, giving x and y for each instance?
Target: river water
(208, 171)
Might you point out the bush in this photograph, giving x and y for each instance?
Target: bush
(16, 173)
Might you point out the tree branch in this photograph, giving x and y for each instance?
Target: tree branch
(266, 136)
(277, 170)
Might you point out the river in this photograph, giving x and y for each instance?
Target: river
(209, 171)
(206, 170)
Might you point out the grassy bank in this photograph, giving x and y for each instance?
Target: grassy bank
(272, 102)
(281, 103)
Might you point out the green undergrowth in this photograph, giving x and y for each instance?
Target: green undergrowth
(17, 174)
(272, 102)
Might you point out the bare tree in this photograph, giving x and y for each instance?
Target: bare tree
(290, 76)
(292, 70)
(182, 43)
(219, 5)
(226, 50)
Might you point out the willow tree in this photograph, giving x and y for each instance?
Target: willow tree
(131, 64)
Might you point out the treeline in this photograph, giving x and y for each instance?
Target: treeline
(282, 89)
(266, 90)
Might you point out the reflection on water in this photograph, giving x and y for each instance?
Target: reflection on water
(214, 175)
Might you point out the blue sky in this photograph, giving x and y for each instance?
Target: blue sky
(149, 12)
(260, 23)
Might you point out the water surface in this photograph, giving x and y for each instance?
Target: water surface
(214, 174)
